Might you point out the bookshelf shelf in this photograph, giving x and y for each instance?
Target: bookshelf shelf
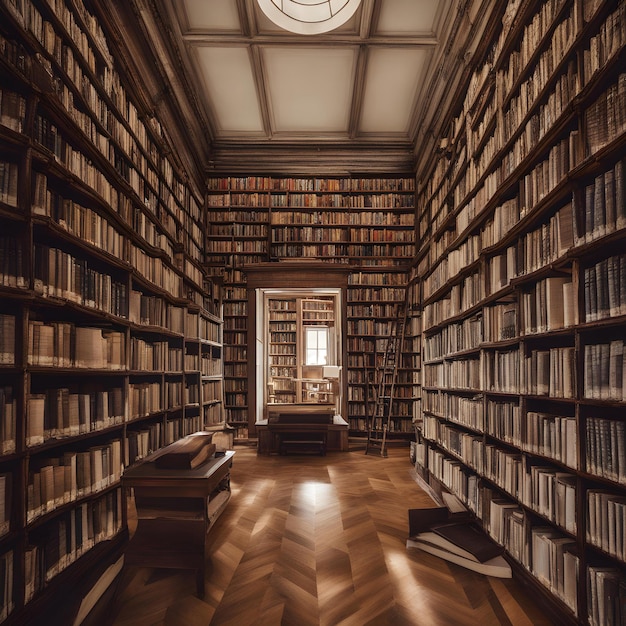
(110, 311)
(522, 318)
(365, 223)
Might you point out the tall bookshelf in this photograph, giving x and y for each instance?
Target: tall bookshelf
(366, 223)
(111, 336)
(521, 223)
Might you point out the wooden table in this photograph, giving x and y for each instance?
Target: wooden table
(175, 511)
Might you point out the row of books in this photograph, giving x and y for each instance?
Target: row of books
(549, 305)
(7, 339)
(602, 204)
(156, 271)
(542, 372)
(606, 522)
(378, 279)
(235, 229)
(8, 183)
(605, 288)
(367, 294)
(320, 250)
(210, 364)
(606, 593)
(235, 353)
(7, 601)
(97, 229)
(83, 222)
(178, 428)
(12, 268)
(462, 296)
(236, 369)
(605, 448)
(59, 274)
(551, 372)
(12, 110)
(606, 117)
(544, 489)
(140, 443)
(149, 310)
(267, 183)
(138, 141)
(541, 433)
(293, 217)
(68, 537)
(367, 326)
(545, 552)
(155, 356)
(211, 414)
(604, 371)
(8, 409)
(63, 412)
(457, 337)
(236, 384)
(211, 390)
(145, 398)
(56, 481)
(236, 246)
(66, 345)
(461, 409)
(468, 446)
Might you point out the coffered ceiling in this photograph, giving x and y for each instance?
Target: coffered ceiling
(268, 99)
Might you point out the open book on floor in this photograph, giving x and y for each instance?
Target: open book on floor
(453, 537)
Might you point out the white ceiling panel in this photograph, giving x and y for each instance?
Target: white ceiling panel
(309, 88)
(391, 83)
(230, 88)
(262, 90)
(215, 15)
(407, 17)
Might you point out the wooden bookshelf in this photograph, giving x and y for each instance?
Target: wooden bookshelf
(111, 330)
(521, 227)
(365, 223)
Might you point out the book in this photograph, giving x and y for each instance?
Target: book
(496, 567)
(187, 453)
(470, 538)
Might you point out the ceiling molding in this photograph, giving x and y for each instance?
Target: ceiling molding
(319, 40)
(288, 159)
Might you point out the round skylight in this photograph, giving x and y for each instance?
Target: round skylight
(309, 17)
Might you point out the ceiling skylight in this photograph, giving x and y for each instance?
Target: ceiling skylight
(309, 17)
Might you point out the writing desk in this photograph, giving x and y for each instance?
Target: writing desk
(175, 511)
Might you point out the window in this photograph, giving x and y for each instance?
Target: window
(316, 345)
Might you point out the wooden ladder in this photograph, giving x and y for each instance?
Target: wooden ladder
(386, 374)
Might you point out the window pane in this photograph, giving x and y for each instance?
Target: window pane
(316, 346)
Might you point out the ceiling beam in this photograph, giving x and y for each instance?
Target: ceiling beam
(357, 94)
(289, 40)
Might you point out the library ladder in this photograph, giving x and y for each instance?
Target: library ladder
(386, 373)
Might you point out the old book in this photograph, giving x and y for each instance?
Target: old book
(555, 303)
(433, 544)
(620, 194)
(187, 453)
(471, 538)
(421, 520)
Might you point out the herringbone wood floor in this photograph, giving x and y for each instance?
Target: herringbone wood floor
(309, 540)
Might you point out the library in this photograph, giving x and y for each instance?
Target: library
(281, 282)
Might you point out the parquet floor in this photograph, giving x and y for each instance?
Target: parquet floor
(308, 540)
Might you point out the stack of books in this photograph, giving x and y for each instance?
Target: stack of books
(451, 534)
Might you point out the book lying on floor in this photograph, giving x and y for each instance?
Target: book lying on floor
(451, 535)
(496, 567)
